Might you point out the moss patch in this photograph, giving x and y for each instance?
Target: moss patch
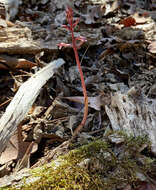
(96, 166)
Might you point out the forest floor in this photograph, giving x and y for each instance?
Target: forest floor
(118, 55)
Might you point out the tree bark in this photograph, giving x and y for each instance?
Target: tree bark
(133, 113)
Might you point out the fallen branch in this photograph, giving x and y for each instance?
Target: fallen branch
(23, 100)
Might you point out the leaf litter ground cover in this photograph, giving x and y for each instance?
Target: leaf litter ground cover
(118, 55)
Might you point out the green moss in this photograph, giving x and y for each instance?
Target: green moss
(103, 171)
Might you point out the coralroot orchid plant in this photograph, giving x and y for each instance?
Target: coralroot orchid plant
(76, 44)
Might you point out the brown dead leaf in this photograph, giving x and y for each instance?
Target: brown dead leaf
(147, 186)
(25, 161)
(23, 146)
(10, 62)
(25, 64)
(15, 149)
(106, 52)
(24, 151)
(125, 46)
(9, 23)
(129, 21)
(11, 151)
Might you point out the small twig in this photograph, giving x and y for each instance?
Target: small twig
(7, 101)
(84, 54)
(96, 131)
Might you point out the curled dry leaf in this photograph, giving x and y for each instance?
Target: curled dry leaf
(141, 18)
(93, 102)
(152, 47)
(113, 6)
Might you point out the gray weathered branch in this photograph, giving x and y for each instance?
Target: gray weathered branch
(23, 100)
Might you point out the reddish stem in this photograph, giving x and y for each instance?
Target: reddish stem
(83, 86)
(70, 27)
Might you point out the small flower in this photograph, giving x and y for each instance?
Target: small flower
(63, 45)
(81, 39)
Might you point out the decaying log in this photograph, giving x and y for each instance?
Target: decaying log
(23, 100)
(133, 113)
(25, 38)
(17, 40)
